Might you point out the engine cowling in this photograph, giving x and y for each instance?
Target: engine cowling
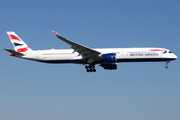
(110, 57)
(109, 66)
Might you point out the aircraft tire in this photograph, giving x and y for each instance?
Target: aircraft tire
(86, 67)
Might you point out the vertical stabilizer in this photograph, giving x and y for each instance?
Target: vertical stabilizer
(18, 43)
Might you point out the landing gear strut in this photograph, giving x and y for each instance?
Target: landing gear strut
(90, 68)
(166, 64)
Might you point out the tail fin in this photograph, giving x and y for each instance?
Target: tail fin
(19, 45)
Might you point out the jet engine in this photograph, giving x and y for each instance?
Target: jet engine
(109, 57)
(109, 66)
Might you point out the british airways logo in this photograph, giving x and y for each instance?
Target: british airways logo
(152, 52)
(164, 51)
(144, 54)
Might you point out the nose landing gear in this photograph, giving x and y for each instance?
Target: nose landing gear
(166, 64)
(90, 68)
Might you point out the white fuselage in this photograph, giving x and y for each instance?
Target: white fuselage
(122, 55)
(80, 54)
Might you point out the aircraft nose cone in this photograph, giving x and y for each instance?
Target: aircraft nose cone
(175, 56)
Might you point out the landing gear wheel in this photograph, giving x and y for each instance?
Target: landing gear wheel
(166, 64)
(90, 68)
(86, 67)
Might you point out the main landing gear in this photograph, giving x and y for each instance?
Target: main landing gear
(166, 64)
(90, 68)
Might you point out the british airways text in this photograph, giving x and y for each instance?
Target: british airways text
(144, 54)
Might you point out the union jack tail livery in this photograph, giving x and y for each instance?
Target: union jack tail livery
(19, 45)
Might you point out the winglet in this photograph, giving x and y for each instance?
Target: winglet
(60, 37)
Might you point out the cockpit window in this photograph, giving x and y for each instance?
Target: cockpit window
(170, 52)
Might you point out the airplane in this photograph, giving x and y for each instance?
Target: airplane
(80, 54)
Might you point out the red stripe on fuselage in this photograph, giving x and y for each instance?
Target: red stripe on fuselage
(157, 50)
(12, 37)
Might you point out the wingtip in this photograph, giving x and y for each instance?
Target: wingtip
(55, 33)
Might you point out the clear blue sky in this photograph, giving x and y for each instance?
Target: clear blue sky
(135, 91)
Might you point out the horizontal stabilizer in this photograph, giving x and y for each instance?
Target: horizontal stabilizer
(13, 52)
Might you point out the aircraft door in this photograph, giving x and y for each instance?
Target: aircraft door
(38, 55)
(122, 53)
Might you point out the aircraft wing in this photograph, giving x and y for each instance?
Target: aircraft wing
(87, 53)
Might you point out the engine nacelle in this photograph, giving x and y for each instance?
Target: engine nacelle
(109, 57)
(109, 66)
